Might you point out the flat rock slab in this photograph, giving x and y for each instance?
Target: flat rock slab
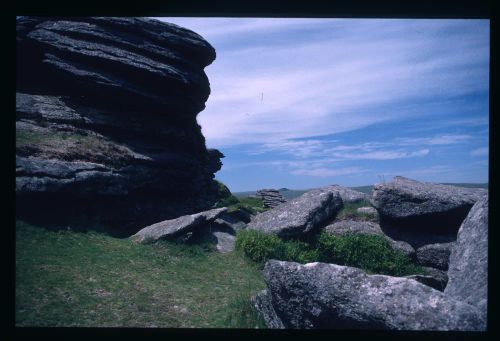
(422, 213)
(468, 267)
(319, 295)
(300, 215)
(403, 197)
(342, 227)
(435, 255)
(176, 227)
(224, 241)
(349, 195)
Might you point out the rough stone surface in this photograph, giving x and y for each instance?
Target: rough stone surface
(319, 295)
(367, 210)
(176, 227)
(434, 255)
(270, 197)
(224, 241)
(422, 213)
(106, 119)
(435, 278)
(349, 195)
(301, 215)
(341, 227)
(262, 303)
(468, 266)
(233, 226)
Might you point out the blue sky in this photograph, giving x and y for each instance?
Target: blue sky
(303, 103)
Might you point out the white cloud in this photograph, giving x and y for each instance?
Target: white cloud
(436, 140)
(480, 152)
(279, 79)
(382, 155)
(327, 172)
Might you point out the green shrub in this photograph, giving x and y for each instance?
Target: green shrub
(369, 252)
(226, 202)
(259, 246)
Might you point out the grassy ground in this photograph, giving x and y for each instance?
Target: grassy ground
(349, 211)
(67, 278)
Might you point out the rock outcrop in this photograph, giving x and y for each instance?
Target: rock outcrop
(301, 215)
(176, 227)
(349, 195)
(342, 227)
(319, 295)
(468, 266)
(106, 120)
(270, 197)
(422, 213)
(434, 255)
(434, 278)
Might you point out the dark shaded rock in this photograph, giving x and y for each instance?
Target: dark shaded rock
(468, 266)
(349, 195)
(176, 227)
(343, 227)
(106, 119)
(422, 213)
(225, 222)
(435, 278)
(319, 295)
(434, 255)
(270, 197)
(301, 215)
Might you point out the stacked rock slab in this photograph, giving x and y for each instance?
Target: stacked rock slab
(106, 120)
(422, 213)
(319, 295)
(301, 215)
(270, 197)
(349, 195)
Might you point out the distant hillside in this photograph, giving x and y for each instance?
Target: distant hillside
(289, 194)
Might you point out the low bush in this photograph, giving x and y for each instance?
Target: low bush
(369, 252)
(349, 211)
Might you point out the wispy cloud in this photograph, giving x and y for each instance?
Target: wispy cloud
(480, 152)
(328, 172)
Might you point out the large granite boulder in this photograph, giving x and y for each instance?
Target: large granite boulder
(434, 255)
(422, 213)
(349, 195)
(468, 266)
(319, 295)
(301, 215)
(270, 197)
(106, 120)
(343, 227)
(175, 227)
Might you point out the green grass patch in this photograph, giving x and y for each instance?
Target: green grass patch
(66, 278)
(349, 211)
(371, 253)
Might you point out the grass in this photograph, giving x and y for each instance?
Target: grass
(349, 211)
(250, 205)
(66, 278)
(371, 253)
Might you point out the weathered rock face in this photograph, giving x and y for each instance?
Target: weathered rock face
(176, 227)
(270, 197)
(468, 267)
(300, 215)
(342, 227)
(434, 255)
(422, 213)
(435, 278)
(349, 195)
(319, 295)
(106, 119)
